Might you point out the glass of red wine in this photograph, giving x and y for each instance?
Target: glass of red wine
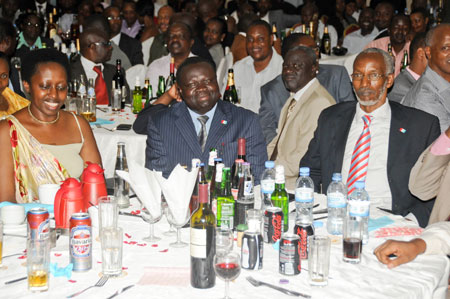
(227, 267)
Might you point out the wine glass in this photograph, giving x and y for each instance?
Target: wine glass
(165, 208)
(147, 217)
(227, 267)
(178, 223)
(224, 240)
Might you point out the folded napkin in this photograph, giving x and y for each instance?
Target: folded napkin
(29, 206)
(177, 190)
(102, 121)
(145, 185)
(57, 271)
(376, 223)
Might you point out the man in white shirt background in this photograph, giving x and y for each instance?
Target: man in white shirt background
(356, 41)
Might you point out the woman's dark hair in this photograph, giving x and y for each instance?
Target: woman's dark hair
(145, 8)
(42, 56)
(5, 58)
(222, 23)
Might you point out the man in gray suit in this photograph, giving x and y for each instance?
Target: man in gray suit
(409, 76)
(274, 94)
(431, 93)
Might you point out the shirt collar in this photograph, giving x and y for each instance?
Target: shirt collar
(382, 112)
(88, 64)
(300, 92)
(415, 75)
(116, 39)
(210, 113)
(23, 42)
(440, 83)
(43, 5)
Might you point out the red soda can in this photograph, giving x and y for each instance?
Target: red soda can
(80, 242)
(273, 224)
(38, 224)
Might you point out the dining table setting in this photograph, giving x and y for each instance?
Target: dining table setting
(153, 266)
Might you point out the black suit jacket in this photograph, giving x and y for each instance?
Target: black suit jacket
(23, 51)
(76, 70)
(15, 81)
(172, 138)
(132, 48)
(326, 151)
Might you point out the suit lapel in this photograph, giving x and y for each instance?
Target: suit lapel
(184, 124)
(218, 128)
(340, 130)
(397, 135)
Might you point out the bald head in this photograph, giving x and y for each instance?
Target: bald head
(295, 40)
(164, 15)
(95, 46)
(437, 50)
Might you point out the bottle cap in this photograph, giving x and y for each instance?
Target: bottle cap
(269, 164)
(217, 159)
(360, 184)
(304, 171)
(202, 164)
(337, 177)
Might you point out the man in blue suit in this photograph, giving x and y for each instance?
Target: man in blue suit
(188, 129)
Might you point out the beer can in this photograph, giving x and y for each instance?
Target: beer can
(80, 242)
(273, 224)
(38, 224)
(304, 231)
(289, 254)
(252, 251)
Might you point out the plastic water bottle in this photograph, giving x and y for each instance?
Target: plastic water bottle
(337, 205)
(267, 184)
(304, 197)
(359, 207)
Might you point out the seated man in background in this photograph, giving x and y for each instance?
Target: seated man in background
(274, 94)
(130, 24)
(390, 136)
(188, 129)
(356, 41)
(30, 39)
(431, 93)
(298, 118)
(418, 63)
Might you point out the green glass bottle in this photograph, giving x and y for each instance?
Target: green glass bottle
(137, 97)
(230, 94)
(161, 86)
(280, 197)
(225, 201)
(405, 60)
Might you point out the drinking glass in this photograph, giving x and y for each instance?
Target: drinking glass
(108, 212)
(352, 241)
(1, 243)
(319, 260)
(150, 220)
(111, 241)
(86, 109)
(38, 261)
(165, 208)
(224, 240)
(116, 100)
(178, 223)
(227, 267)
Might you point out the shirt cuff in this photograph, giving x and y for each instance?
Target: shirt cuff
(441, 146)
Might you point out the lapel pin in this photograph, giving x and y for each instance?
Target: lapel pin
(402, 130)
(223, 122)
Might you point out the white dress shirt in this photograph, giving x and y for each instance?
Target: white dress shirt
(377, 185)
(146, 45)
(116, 39)
(300, 92)
(249, 82)
(88, 67)
(355, 41)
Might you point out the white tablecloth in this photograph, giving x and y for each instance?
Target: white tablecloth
(107, 141)
(426, 277)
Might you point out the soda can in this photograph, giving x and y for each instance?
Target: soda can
(273, 224)
(252, 251)
(38, 224)
(80, 242)
(290, 263)
(304, 231)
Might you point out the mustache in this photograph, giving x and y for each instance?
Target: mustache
(365, 91)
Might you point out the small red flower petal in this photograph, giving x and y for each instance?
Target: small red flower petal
(72, 281)
(165, 250)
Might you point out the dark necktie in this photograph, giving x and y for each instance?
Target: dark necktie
(100, 87)
(202, 135)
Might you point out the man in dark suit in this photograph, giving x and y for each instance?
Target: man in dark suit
(130, 46)
(189, 128)
(274, 94)
(95, 50)
(396, 135)
(39, 7)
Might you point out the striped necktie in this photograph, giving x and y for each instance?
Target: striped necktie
(360, 156)
(203, 135)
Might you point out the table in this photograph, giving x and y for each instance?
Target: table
(107, 141)
(426, 277)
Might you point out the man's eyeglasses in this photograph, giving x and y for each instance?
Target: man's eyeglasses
(104, 44)
(114, 18)
(29, 24)
(371, 77)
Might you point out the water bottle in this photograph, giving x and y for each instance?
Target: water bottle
(359, 207)
(267, 184)
(337, 204)
(304, 197)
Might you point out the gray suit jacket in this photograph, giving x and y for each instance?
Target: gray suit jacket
(402, 85)
(274, 95)
(431, 93)
(283, 20)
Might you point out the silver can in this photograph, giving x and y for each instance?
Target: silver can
(80, 242)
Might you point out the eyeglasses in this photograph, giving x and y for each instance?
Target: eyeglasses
(113, 18)
(371, 77)
(29, 24)
(104, 44)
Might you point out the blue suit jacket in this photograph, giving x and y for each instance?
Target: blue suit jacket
(172, 138)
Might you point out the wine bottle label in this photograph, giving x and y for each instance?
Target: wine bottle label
(268, 186)
(304, 194)
(359, 208)
(212, 156)
(336, 200)
(198, 243)
(248, 188)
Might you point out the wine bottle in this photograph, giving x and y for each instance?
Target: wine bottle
(212, 184)
(212, 156)
(171, 79)
(51, 27)
(241, 153)
(137, 97)
(203, 242)
(119, 79)
(145, 90)
(225, 201)
(245, 198)
(238, 177)
(121, 187)
(325, 46)
(161, 86)
(230, 94)
(405, 60)
(391, 53)
(193, 203)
